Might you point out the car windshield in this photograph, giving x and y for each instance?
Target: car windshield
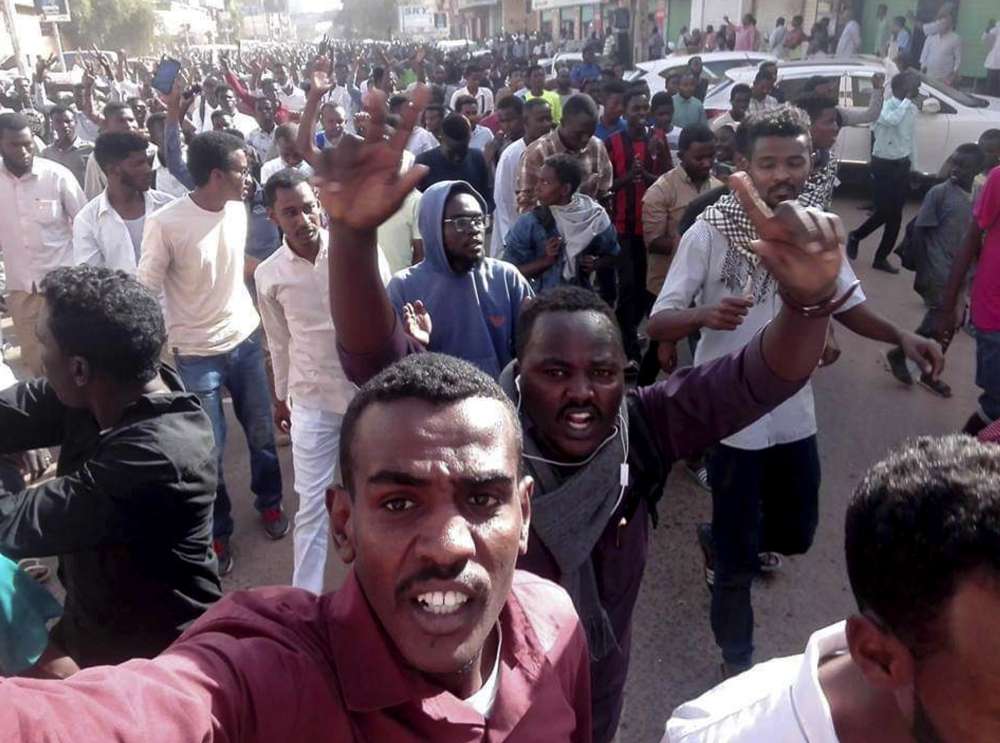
(966, 99)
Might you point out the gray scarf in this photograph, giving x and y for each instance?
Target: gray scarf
(569, 515)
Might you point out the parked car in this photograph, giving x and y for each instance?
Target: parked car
(571, 59)
(947, 118)
(715, 65)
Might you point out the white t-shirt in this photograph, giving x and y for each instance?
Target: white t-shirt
(481, 136)
(396, 234)
(195, 257)
(484, 699)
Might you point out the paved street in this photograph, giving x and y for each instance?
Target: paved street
(862, 411)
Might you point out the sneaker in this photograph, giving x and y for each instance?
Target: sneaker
(935, 385)
(700, 475)
(275, 522)
(897, 365)
(769, 562)
(708, 552)
(852, 246)
(223, 555)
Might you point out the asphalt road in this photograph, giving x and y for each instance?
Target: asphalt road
(862, 412)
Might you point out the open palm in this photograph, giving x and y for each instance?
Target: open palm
(359, 180)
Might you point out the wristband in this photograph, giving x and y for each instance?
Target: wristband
(821, 309)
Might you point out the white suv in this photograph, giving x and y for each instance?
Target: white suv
(947, 117)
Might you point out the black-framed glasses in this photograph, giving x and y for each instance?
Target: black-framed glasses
(466, 225)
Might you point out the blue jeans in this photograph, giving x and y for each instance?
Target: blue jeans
(241, 371)
(762, 500)
(988, 373)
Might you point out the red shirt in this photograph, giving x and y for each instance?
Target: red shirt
(281, 665)
(654, 155)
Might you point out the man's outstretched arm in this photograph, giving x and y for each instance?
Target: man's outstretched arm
(361, 187)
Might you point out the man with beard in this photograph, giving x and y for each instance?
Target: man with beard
(108, 230)
(434, 635)
(917, 662)
(599, 457)
(764, 478)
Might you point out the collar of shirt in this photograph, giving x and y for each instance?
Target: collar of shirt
(104, 204)
(357, 640)
(811, 705)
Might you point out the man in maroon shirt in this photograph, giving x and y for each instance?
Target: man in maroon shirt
(598, 456)
(434, 636)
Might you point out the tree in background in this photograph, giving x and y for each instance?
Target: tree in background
(111, 24)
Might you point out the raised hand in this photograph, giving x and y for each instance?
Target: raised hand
(359, 182)
(801, 248)
(417, 322)
(319, 80)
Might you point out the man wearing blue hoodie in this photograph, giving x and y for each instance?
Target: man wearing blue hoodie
(474, 300)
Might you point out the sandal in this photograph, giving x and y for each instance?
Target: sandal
(35, 569)
(769, 562)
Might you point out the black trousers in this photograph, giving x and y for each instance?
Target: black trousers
(890, 185)
(632, 302)
(766, 499)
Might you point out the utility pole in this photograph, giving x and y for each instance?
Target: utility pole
(10, 19)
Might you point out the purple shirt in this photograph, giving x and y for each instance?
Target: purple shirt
(282, 665)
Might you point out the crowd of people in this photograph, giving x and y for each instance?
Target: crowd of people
(459, 288)
(926, 43)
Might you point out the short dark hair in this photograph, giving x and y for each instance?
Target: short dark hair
(218, 113)
(534, 67)
(114, 109)
(61, 110)
(761, 76)
(222, 88)
(112, 148)
(901, 81)
(560, 299)
(784, 121)
(973, 151)
(108, 318)
(13, 122)
(210, 151)
(396, 101)
(577, 104)
(431, 377)
(814, 81)
(921, 521)
(287, 132)
(284, 178)
(739, 89)
(694, 133)
(990, 134)
(567, 168)
(456, 126)
(633, 93)
(472, 68)
(234, 132)
(815, 104)
(613, 87)
(660, 100)
(464, 100)
(534, 103)
(512, 102)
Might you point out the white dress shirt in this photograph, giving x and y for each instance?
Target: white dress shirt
(421, 140)
(276, 164)
(481, 136)
(781, 701)
(850, 40)
(195, 258)
(696, 273)
(504, 194)
(36, 221)
(242, 122)
(294, 299)
(101, 237)
(942, 55)
(483, 96)
(293, 98)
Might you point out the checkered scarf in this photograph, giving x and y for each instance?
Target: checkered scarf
(741, 269)
(818, 191)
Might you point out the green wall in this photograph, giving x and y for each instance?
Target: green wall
(972, 18)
